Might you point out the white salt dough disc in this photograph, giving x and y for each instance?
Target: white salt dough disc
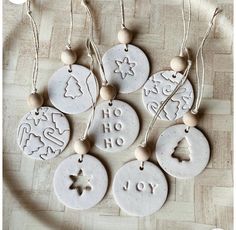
(44, 134)
(115, 127)
(71, 92)
(126, 70)
(198, 146)
(140, 192)
(18, 1)
(159, 86)
(80, 185)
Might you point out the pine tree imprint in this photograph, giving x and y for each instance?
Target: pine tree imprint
(73, 88)
(182, 151)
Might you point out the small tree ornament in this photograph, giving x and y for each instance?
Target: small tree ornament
(199, 146)
(70, 87)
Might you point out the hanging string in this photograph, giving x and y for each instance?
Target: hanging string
(122, 11)
(185, 28)
(92, 49)
(200, 82)
(91, 46)
(164, 103)
(36, 47)
(71, 26)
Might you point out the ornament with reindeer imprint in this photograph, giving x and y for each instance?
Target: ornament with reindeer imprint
(80, 185)
(140, 192)
(159, 86)
(115, 126)
(126, 69)
(71, 92)
(43, 134)
(198, 147)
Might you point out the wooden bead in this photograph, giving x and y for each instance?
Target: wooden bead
(125, 36)
(142, 153)
(107, 92)
(68, 57)
(82, 146)
(35, 100)
(190, 119)
(178, 64)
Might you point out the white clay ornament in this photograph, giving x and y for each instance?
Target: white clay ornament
(80, 184)
(140, 192)
(159, 86)
(115, 126)
(198, 146)
(42, 134)
(126, 68)
(71, 91)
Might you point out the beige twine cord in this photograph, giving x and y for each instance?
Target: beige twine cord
(200, 82)
(36, 47)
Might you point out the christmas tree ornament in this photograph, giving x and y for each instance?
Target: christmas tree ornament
(116, 124)
(44, 132)
(198, 146)
(126, 66)
(160, 85)
(67, 88)
(81, 181)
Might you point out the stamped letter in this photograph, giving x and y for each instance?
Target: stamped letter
(140, 186)
(108, 143)
(126, 186)
(153, 187)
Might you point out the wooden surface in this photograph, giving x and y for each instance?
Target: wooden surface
(202, 203)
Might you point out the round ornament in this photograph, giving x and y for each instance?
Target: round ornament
(126, 68)
(115, 126)
(171, 162)
(140, 192)
(43, 134)
(72, 91)
(80, 184)
(159, 86)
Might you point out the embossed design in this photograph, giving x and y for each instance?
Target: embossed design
(115, 127)
(50, 153)
(37, 116)
(159, 87)
(43, 135)
(33, 143)
(81, 182)
(73, 89)
(125, 68)
(23, 131)
(60, 123)
(48, 134)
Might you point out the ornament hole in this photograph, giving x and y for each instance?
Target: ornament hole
(70, 70)
(141, 168)
(186, 130)
(126, 50)
(36, 113)
(110, 103)
(174, 76)
(80, 160)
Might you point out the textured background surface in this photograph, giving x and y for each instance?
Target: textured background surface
(201, 203)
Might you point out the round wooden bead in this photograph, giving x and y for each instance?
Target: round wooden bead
(125, 36)
(82, 146)
(35, 100)
(190, 119)
(68, 57)
(107, 92)
(178, 64)
(142, 153)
